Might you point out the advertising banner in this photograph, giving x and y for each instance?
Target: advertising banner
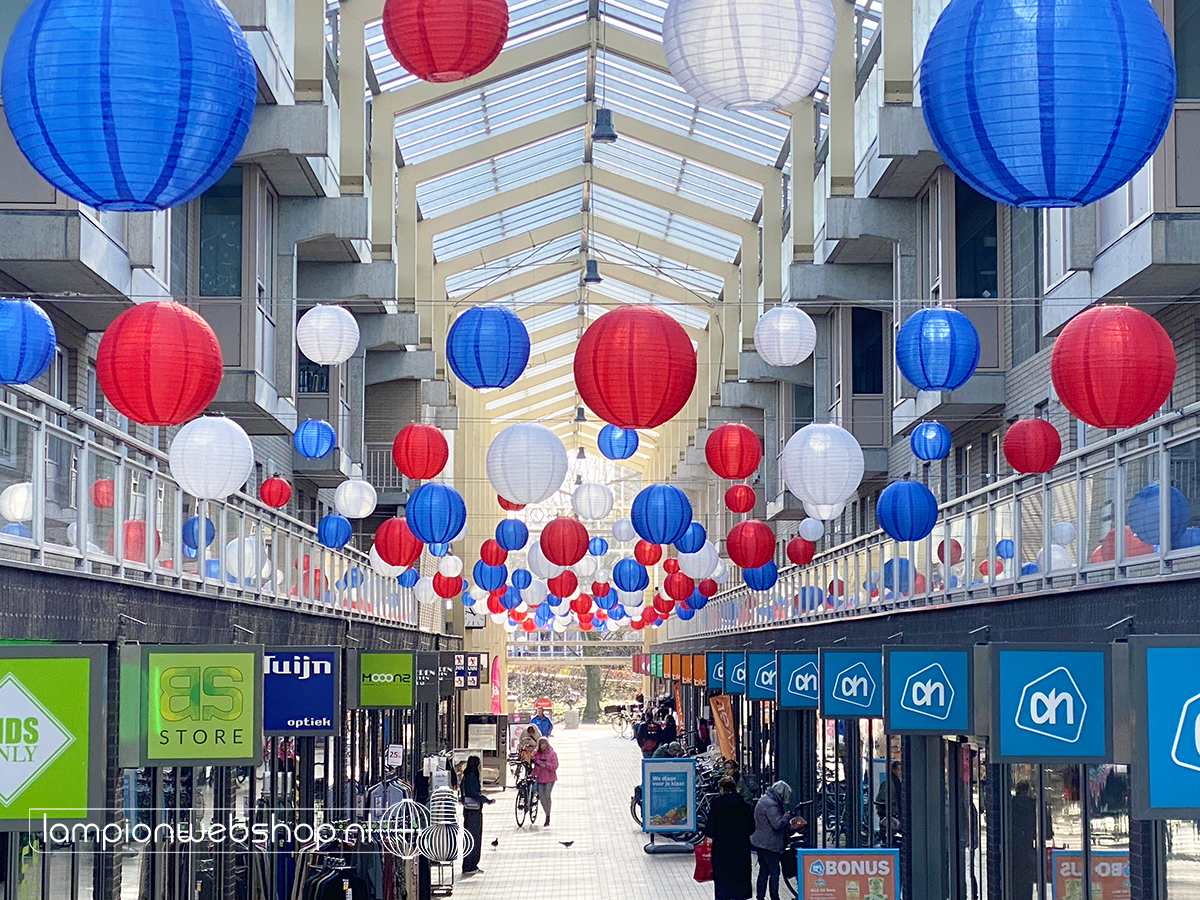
(1166, 726)
(760, 676)
(799, 679)
(848, 874)
(668, 795)
(686, 661)
(714, 668)
(698, 670)
(722, 716)
(1110, 874)
(52, 761)
(302, 690)
(735, 673)
(851, 684)
(928, 690)
(380, 679)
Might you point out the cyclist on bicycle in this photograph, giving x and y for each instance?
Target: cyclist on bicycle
(527, 743)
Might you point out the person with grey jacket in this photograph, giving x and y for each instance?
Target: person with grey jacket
(772, 822)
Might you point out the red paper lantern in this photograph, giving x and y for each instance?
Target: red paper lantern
(918, 583)
(647, 553)
(1032, 445)
(662, 606)
(563, 584)
(581, 605)
(420, 451)
(801, 551)
(585, 618)
(508, 505)
(564, 541)
(740, 498)
(529, 625)
(1112, 366)
(159, 363)
(707, 587)
(600, 615)
(637, 624)
(396, 544)
(635, 367)
(600, 589)
(984, 568)
(494, 605)
(445, 586)
(445, 40)
(1107, 548)
(955, 552)
(102, 493)
(492, 553)
(840, 587)
(678, 586)
(750, 544)
(585, 626)
(733, 450)
(133, 533)
(516, 615)
(671, 565)
(275, 491)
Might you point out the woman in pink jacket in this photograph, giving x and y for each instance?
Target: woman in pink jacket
(545, 773)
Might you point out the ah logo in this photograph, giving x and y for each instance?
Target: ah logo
(719, 671)
(855, 686)
(817, 867)
(739, 672)
(1185, 751)
(804, 681)
(764, 678)
(929, 693)
(1053, 706)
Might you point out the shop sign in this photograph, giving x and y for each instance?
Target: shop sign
(760, 676)
(446, 673)
(426, 675)
(52, 759)
(849, 874)
(1165, 710)
(380, 679)
(928, 690)
(698, 669)
(1110, 874)
(656, 665)
(799, 679)
(735, 673)
(686, 661)
(668, 795)
(851, 684)
(1050, 703)
(715, 671)
(302, 690)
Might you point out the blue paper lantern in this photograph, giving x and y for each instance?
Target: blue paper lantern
(552, 601)
(937, 349)
(542, 616)
(906, 510)
(661, 513)
(1042, 104)
(26, 341)
(692, 540)
(809, 597)
(521, 579)
(1005, 549)
(17, 529)
(129, 104)
(605, 601)
(190, 533)
(467, 599)
(435, 513)
(630, 575)
(684, 612)
(617, 443)
(1142, 514)
(697, 600)
(511, 598)
(597, 546)
(334, 531)
(930, 440)
(761, 579)
(212, 568)
(314, 438)
(617, 613)
(889, 575)
(489, 577)
(487, 347)
(438, 548)
(1029, 568)
(512, 534)
(1189, 538)
(354, 577)
(408, 578)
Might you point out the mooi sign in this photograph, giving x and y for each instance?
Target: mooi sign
(381, 679)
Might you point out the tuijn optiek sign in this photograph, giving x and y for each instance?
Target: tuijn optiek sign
(302, 690)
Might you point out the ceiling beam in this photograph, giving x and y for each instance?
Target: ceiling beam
(501, 249)
(692, 209)
(691, 148)
(496, 203)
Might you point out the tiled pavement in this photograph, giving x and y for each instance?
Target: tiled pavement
(597, 773)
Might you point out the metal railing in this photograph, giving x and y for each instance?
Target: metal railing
(68, 480)
(1115, 510)
(380, 471)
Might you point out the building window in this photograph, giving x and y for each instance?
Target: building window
(931, 243)
(1025, 263)
(965, 462)
(310, 377)
(974, 243)
(1187, 49)
(866, 350)
(180, 249)
(221, 237)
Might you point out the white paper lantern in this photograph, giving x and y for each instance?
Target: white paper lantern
(631, 599)
(355, 499)
(243, 558)
(535, 595)
(526, 463)
(721, 573)
(379, 567)
(327, 335)
(1060, 532)
(1060, 558)
(559, 626)
(537, 563)
(16, 502)
(700, 564)
(450, 566)
(592, 500)
(822, 465)
(425, 592)
(785, 336)
(748, 54)
(602, 576)
(819, 512)
(500, 618)
(812, 529)
(622, 530)
(612, 624)
(509, 625)
(586, 568)
(211, 457)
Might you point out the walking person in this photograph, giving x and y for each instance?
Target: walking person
(473, 801)
(545, 773)
(649, 736)
(772, 823)
(734, 770)
(730, 824)
(543, 723)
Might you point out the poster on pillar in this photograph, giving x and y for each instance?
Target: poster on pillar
(851, 684)
(798, 679)
(735, 673)
(1110, 874)
(928, 690)
(842, 874)
(714, 668)
(1166, 715)
(760, 676)
(722, 716)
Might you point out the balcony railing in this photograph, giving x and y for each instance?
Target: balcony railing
(380, 471)
(1123, 508)
(79, 495)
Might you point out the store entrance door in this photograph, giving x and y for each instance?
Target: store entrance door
(965, 771)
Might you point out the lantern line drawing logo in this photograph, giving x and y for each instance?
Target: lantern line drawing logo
(928, 692)
(1053, 706)
(854, 686)
(738, 676)
(764, 678)
(804, 681)
(1185, 750)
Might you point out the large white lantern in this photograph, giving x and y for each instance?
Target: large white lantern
(526, 463)
(701, 564)
(535, 595)
(721, 573)
(242, 558)
(812, 529)
(748, 54)
(631, 599)
(822, 465)
(586, 568)
(450, 566)
(327, 335)
(425, 592)
(537, 563)
(824, 512)
(785, 336)
(477, 593)
(592, 500)
(211, 457)
(381, 568)
(1060, 558)
(355, 499)
(16, 502)
(623, 530)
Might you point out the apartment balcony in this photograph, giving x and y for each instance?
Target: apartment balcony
(391, 488)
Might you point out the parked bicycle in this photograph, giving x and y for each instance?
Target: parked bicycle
(621, 718)
(527, 797)
(789, 868)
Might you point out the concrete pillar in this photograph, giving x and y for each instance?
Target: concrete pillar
(308, 63)
(772, 238)
(750, 296)
(352, 106)
(403, 220)
(285, 321)
(803, 160)
(383, 192)
(841, 102)
(898, 51)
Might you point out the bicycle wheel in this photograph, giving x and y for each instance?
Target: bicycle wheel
(522, 805)
(533, 804)
(625, 727)
(790, 882)
(635, 805)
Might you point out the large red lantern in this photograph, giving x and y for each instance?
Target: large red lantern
(750, 544)
(563, 584)
(581, 605)
(529, 625)
(420, 451)
(707, 587)
(494, 606)
(662, 606)
(956, 552)
(678, 586)
(637, 624)
(647, 553)
(102, 493)
(733, 450)
(740, 498)
(492, 553)
(671, 565)
(600, 588)
(445, 586)
(635, 367)
(445, 40)
(275, 491)
(1112, 366)
(564, 541)
(396, 544)
(800, 551)
(508, 505)
(159, 363)
(1032, 445)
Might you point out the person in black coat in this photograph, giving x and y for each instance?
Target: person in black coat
(473, 802)
(730, 824)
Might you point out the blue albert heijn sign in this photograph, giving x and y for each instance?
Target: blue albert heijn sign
(928, 690)
(1165, 708)
(735, 673)
(1051, 703)
(714, 671)
(799, 679)
(302, 689)
(760, 676)
(851, 684)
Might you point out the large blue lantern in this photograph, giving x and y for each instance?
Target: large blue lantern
(897, 575)
(930, 440)
(487, 347)
(436, 513)
(1038, 104)
(438, 548)
(512, 534)
(129, 104)
(1141, 515)
(408, 578)
(693, 539)
(597, 546)
(26, 341)
(661, 513)
(521, 579)
(630, 575)
(937, 349)
(906, 510)
(605, 601)
(190, 533)
(684, 611)
(490, 577)
(314, 438)
(334, 531)
(763, 578)
(511, 598)
(617, 443)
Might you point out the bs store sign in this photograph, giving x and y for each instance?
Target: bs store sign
(380, 679)
(53, 714)
(1165, 705)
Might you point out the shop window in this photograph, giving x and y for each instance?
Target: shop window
(1187, 49)
(974, 243)
(1025, 263)
(866, 350)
